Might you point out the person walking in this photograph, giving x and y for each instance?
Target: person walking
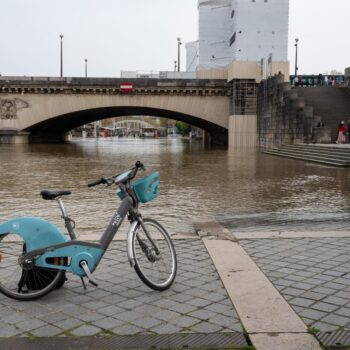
(341, 133)
(348, 130)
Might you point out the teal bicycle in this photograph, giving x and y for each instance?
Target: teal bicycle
(35, 255)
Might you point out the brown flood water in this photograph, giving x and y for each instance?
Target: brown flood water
(244, 191)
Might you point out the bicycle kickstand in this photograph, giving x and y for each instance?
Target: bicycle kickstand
(85, 267)
(83, 282)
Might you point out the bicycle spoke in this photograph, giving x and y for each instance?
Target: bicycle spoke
(21, 281)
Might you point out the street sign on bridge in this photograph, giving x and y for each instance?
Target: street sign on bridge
(125, 87)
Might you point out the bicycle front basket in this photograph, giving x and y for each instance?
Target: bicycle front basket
(147, 188)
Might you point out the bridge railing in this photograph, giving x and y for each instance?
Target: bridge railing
(27, 78)
(110, 82)
(317, 80)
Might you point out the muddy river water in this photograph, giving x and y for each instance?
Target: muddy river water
(244, 191)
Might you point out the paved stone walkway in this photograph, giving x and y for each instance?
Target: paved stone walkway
(123, 305)
(312, 274)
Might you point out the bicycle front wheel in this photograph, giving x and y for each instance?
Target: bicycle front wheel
(22, 282)
(155, 257)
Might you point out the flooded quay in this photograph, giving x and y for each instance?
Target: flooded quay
(244, 191)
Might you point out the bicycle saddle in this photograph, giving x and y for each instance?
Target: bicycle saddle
(49, 195)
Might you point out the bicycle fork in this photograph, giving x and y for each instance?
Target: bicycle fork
(131, 232)
(144, 246)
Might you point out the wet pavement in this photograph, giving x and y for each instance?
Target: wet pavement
(312, 274)
(122, 305)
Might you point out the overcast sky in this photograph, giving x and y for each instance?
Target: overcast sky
(117, 35)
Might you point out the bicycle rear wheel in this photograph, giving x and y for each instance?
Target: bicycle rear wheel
(22, 282)
(155, 257)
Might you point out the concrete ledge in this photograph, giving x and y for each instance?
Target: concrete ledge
(209, 227)
(291, 234)
(269, 320)
(260, 306)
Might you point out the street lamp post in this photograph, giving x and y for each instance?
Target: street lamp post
(86, 61)
(179, 43)
(296, 57)
(61, 36)
(175, 66)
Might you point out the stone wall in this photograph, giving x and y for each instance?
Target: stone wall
(284, 117)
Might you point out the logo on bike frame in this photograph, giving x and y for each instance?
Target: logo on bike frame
(116, 220)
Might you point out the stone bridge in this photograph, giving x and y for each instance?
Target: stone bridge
(45, 109)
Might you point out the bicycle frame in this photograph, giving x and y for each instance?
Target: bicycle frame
(55, 255)
(35, 254)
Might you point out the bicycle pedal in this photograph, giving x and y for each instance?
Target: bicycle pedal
(83, 264)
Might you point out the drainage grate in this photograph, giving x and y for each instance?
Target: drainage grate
(338, 338)
(181, 340)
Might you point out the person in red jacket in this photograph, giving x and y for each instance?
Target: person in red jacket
(341, 132)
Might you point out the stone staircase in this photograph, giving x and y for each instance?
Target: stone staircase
(335, 155)
(330, 103)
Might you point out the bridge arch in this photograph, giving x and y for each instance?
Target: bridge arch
(53, 112)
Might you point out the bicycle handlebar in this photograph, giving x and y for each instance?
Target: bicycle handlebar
(110, 181)
(97, 182)
(139, 165)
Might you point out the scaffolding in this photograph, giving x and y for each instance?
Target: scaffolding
(244, 97)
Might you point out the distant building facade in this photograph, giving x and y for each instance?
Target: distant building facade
(239, 30)
(192, 56)
(214, 33)
(259, 28)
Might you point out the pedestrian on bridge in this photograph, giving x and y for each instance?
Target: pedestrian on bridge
(325, 81)
(296, 81)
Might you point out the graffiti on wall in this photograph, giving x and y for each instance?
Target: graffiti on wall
(10, 107)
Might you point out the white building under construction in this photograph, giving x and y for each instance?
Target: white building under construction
(239, 30)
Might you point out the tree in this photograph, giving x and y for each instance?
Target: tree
(183, 128)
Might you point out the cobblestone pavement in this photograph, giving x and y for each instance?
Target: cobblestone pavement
(123, 305)
(313, 275)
